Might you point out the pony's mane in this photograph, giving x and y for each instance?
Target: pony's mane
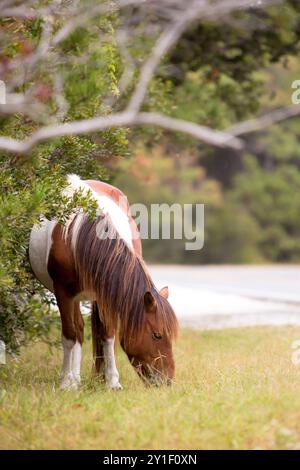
(117, 275)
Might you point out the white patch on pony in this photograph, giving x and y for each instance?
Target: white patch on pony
(39, 248)
(106, 205)
(110, 368)
(67, 379)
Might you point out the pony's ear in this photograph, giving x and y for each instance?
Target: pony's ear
(164, 292)
(149, 301)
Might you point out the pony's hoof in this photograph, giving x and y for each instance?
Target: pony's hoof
(69, 386)
(69, 383)
(116, 386)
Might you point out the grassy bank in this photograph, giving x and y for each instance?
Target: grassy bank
(235, 389)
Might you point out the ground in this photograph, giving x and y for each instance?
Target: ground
(234, 389)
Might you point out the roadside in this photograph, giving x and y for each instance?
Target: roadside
(213, 297)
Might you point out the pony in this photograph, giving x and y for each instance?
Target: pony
(101, 260)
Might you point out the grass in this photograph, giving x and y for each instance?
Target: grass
(235, 389)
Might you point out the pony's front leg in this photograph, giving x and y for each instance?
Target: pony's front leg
(76, 353)
(110, 369)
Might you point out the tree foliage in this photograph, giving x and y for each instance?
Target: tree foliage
(32, 185)
(225, 58)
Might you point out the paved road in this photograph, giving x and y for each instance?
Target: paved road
(229, 296)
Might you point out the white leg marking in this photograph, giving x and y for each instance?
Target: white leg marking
(76, 361)
(111, 371)
(67, 379)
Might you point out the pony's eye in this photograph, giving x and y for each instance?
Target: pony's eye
(156, 336)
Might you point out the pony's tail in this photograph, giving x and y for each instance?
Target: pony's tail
(97, 329)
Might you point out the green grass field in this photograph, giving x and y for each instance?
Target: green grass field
(234, 389)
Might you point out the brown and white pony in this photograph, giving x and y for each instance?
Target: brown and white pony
(101, 260)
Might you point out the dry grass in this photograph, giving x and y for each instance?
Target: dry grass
(235, 389)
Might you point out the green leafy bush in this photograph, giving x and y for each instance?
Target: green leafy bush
(31, 185)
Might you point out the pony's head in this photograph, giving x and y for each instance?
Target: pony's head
(150, 351)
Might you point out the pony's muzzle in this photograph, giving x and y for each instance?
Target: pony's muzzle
(153, 377)
(158, 380)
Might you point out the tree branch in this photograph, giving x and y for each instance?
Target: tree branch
(123, 119)
(266, 120)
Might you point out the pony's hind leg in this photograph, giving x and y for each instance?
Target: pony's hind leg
(97, 335)
(66, 307)
(67, 379)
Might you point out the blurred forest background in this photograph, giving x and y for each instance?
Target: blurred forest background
(251, 198)
(218, 74)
